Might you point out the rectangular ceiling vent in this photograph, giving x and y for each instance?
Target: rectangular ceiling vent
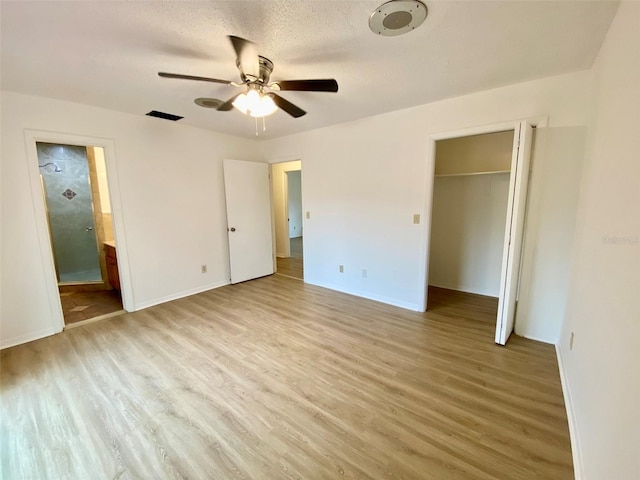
(166, 116)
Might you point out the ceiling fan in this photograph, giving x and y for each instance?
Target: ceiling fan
(255, 71)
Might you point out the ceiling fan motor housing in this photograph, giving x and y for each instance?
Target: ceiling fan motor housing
(265, 66)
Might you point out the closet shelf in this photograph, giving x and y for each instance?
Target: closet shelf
(471, 173)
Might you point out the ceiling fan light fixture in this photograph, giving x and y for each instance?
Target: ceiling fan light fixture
(255, 104)
(397, 17)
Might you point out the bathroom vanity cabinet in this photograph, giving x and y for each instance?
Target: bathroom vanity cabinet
(112, 264)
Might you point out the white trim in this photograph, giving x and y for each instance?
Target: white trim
(576, 451)
(539, 121)
(429, 183)
(537, 339)
(44, 242)
(273, 225)
(176, 296)
(28, 337)
(358, 293)
(288, 158)
(285, 207)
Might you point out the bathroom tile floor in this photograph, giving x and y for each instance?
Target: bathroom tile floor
(79, 304)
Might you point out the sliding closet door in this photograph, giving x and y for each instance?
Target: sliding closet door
(514, 232)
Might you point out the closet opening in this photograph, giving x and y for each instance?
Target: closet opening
(469, 211)
(480, 182)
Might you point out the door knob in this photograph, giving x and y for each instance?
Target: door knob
(89, 229)
(233, 229)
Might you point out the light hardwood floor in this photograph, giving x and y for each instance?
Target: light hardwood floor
(292, 266)
(276, 379)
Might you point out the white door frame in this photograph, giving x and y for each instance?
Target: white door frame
(288, 210)
(431, 162)
(285, 201)
(285, 196)
(42, 225)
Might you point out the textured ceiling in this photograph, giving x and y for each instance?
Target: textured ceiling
(108, 54)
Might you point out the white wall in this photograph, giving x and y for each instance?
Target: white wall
(279, 195)
(171, 189)
(103, 185)
(603, 310)
(550, 227)
(362, 218)
(467, 232)
(294, 199)
(170, 180)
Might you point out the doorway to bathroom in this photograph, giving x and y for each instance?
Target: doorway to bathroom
(78, 209)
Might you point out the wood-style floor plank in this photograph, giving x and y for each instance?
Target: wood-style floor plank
(276, 379)
(293, 265)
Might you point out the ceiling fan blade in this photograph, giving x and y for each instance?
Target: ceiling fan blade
(191, 77)
(228, 105)
(247, 56)
(287, 106)
(320, 85)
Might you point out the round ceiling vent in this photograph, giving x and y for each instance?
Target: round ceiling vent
(208, 102)
(397, 17)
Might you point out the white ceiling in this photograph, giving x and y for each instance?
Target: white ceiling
(108, 53)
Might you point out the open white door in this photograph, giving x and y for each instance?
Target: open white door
(246, 186)
(514, 231)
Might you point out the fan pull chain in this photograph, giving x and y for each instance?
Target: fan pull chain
(264, 125)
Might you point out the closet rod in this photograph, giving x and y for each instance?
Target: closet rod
(470, 173)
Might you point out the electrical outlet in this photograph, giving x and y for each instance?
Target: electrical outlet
(308, 215)
(571, 341)
(364, 273)
(416, 218)
(341, 268)
(203, 268)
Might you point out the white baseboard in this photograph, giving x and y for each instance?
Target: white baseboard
(538, 339)
(176, 296)
(576, 451)
(28, 337)
(378, 298)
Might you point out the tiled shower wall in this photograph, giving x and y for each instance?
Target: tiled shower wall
(70, 212)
